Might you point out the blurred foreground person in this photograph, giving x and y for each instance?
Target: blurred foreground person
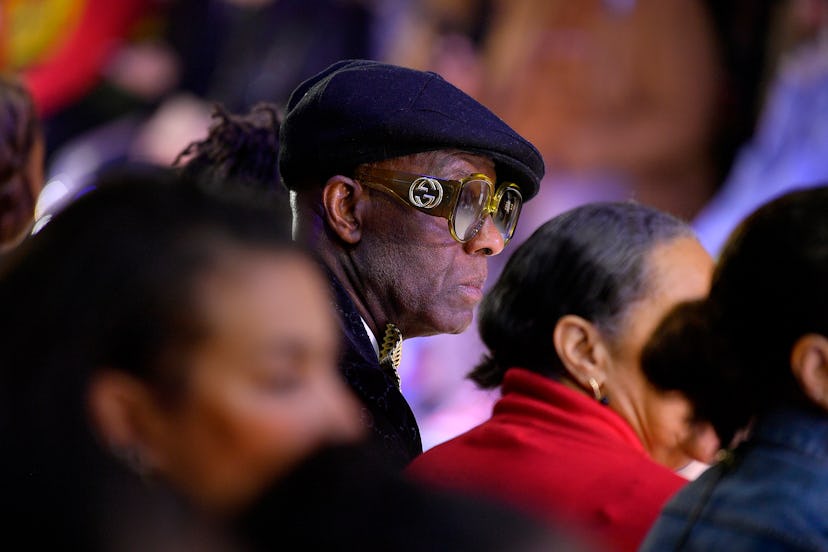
(21, 163)
(579, 430)
(155, 337)
(754, 357)
(347, 498)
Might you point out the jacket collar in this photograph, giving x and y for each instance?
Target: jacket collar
(798, 429)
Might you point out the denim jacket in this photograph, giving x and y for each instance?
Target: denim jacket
(771, 495)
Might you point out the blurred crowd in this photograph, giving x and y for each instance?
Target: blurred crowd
(699, 111)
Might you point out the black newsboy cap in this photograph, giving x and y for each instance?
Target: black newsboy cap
(360, 111)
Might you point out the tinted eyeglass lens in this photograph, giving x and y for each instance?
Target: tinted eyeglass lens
(470, 209)
(508, 210)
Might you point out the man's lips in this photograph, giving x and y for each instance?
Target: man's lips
(472, 290)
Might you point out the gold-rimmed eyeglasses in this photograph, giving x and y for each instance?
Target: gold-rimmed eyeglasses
(464, 203)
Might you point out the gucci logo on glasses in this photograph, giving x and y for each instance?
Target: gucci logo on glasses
(425, 192)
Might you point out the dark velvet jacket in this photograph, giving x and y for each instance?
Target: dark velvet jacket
(385, 410)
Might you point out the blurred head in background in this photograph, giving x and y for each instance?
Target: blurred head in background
(752, 359)
(21, 163)
(240, 155)
(760, 341)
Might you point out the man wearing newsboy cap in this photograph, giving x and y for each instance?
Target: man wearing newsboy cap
(404, 186)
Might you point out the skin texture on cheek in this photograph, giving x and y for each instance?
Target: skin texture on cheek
(421, 270)
(263, 390)
(234, 442)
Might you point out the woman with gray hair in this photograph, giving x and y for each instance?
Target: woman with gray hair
(579, 433)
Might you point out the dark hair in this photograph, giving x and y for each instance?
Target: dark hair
(19, 128)
(243, 148)
(240, 157)
(109, 282)
(730, 354)
(590, 261)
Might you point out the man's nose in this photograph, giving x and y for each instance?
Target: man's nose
(488, 240)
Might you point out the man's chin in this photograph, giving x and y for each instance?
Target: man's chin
(438, 325)
(457, 324)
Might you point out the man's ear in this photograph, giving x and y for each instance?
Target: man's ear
(809, 364)
(124, 415)
(344, 210)
(581, 349)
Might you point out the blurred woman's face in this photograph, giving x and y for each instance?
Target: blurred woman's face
(679, 270)
(18, 198)
(262, 391)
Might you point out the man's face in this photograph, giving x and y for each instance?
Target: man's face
(427, 282)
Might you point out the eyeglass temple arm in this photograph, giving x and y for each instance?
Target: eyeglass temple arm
(398, 186)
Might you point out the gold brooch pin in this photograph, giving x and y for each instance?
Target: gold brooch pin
(391, 350)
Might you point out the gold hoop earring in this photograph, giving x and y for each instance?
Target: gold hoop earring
(596, 391)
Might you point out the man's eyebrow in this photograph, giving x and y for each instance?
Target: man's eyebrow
(448, 161)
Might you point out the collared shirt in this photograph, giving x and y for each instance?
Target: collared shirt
(371, 336)
(772, 495)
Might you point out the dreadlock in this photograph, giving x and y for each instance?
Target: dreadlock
(243, 148)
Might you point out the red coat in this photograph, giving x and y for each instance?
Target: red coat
(556, 452)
